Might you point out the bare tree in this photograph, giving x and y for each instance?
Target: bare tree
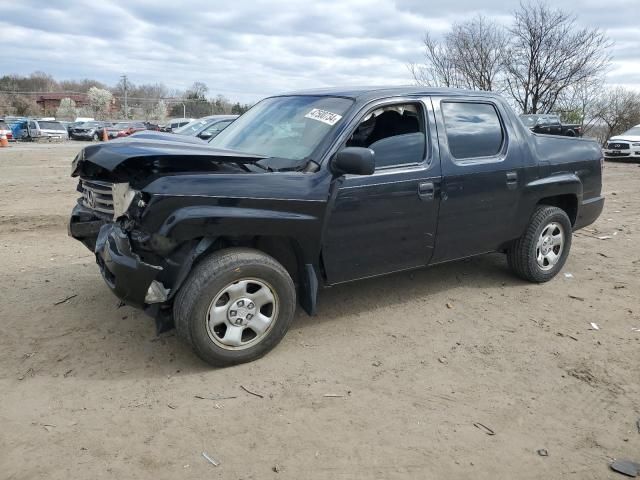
(618, 109)
(67, 109)
(579, 103)
(470, 56)
(439, 67)
(25, 106)
(477, 49)
(548, 53)
(197, 91)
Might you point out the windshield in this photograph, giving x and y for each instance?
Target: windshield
(633, 131)
(192, 128)
(122, 125)
(51, 125)
(283, 127)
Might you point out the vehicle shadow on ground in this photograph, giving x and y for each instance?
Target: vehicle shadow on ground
(127, 345)
(486, 272)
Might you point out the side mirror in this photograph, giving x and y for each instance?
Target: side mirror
(354, 161)
(205, 135)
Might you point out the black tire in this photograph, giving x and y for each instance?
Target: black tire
(212, 276)
(521, 256)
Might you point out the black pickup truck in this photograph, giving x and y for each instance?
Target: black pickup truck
(551, 125)
(312, 189)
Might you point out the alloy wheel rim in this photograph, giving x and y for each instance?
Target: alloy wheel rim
(242, 314)
(550, 246)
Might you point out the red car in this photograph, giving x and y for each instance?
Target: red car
(5, 130)
(131, 128)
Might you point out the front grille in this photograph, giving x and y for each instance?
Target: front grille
(617, 154)
(97, 196)
(617, 146)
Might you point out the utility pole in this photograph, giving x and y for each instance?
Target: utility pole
(126, 108)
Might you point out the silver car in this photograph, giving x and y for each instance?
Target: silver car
(50, 129)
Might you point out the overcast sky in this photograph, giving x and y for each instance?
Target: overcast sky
(247, 49)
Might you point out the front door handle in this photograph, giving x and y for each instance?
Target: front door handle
(512, 179)
(426, 190)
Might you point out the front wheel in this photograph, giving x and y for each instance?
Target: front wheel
(542, 251)
(236, 305)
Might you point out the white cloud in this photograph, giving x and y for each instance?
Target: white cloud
(250, 49)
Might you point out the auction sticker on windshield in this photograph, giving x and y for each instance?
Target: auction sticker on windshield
(323, 116)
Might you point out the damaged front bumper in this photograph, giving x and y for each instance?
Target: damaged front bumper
(85, 224)
(129, 278)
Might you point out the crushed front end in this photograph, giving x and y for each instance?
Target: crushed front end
(118, 220)
(104, 220)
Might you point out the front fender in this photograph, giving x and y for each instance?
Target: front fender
(213, 221)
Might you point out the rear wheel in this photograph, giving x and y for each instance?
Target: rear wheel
(542, 251)
(235, 306)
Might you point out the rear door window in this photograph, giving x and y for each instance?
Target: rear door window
(473, 129)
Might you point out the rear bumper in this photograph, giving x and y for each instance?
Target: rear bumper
(588, 212)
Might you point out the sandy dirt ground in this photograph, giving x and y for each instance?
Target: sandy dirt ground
(417, 362)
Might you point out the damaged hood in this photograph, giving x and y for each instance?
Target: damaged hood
(155, 155)
(167, 137)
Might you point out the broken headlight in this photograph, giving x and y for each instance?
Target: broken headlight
(74, 165)
(123, 195)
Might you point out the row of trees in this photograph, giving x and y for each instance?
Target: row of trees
(542, 62)
(152, 102)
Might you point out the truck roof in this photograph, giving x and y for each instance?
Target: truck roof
(372, 93)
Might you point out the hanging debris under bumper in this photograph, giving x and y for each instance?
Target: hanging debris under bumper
(128, 277)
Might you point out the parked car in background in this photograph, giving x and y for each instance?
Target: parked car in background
(113, 129)
(16, 124)
(624, 146)
(551, 125)
(87, 130)
(6, 130)
(318, 188)
(52, 130)
(133, 127)
(39, 129)
(174, 123)
(72, 125)
(206, 128)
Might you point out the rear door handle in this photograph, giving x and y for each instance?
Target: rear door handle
(512, 179)
(426, 190)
